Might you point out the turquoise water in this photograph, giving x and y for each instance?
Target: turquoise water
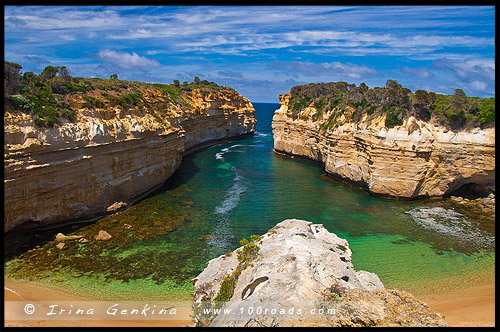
(230, 191)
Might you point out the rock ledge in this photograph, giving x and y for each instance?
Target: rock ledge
(299, 274)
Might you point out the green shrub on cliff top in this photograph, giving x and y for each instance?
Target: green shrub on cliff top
(456, 111)
(227, 286)
(45, 96)
(246, 255)
(395, 117)
(250, 249)
(487, 111)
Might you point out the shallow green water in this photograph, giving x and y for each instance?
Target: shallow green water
(228, 192)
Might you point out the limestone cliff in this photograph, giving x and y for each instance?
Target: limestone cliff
(411, 159)
(299, 274)
(111, 153)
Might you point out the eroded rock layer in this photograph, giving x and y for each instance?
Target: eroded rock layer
(110, 156)
(408, 161)
(299, 274)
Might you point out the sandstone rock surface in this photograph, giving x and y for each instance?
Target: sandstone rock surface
(116, 206)
(299, 272)
(62, 237)
(103, 236)
(411, 160)
(76, 170)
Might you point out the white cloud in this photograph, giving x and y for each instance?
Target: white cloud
(478, 86)
(156, 52)
(469, 69)
(421, 72)
(230, 74)
(126, 60)
(223, 29)
(231, 40)
(438, 42)
(473, 75)
(37, 59)
(59, 17)
(378, 40)
(350, 70)
(312, 69)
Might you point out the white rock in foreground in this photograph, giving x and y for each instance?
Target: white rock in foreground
(299, 272)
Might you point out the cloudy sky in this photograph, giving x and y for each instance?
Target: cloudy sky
(262, 51)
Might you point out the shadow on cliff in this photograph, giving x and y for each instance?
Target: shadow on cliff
(19, 241)
(186, 171)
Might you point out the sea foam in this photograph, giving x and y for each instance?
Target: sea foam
(233, 194)
(219, 155)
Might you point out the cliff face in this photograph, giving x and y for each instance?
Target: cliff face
(109, 154)
(414, 159)
(299, 274)
(215, 118)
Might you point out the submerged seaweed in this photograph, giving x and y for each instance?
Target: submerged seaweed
(117, 258)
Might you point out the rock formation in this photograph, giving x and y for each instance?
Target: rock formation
(111, 156)
(410, 160)
(299, 274)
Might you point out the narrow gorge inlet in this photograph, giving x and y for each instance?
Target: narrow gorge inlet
(230, 191)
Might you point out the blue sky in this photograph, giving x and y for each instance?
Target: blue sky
(262, 51)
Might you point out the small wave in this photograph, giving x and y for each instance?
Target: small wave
(232, 199)
(260, 134)
(219, 155)
(450, 223)
(13, 291)
(233, 195)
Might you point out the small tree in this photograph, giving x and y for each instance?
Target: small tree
(177, 83)
(433, 97)
(363, 87)
(197, 80)
(114, 76)
(422, 97)
(49, 72)
(64, 73)
(12, 77)
(393, 84)
(422, 105)
(28, 83)
(459, 99)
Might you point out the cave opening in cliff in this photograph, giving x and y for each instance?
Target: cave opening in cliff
(470, 190)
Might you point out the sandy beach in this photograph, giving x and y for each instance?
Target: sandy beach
(21, 291)
(470, 307)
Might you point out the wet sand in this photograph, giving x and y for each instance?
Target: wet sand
(470, 307)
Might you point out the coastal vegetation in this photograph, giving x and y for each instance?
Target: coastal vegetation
(246, 255)
(48, 96)
(332, 100)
